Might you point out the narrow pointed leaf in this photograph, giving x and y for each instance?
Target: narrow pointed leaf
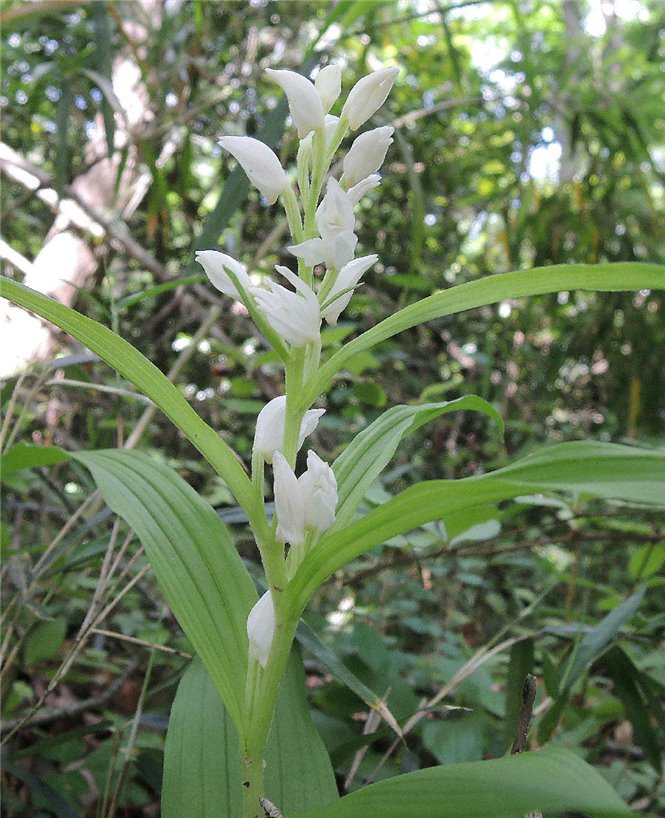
(593, 643)
(369, 452)
(191, 552)
(130, 363)
(582, 468)
(490, 290)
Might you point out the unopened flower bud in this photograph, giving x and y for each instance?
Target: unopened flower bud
(367, 96)
(289, 504)
(328, 83)
(261, 629)
(217, 266)
(304, 100)
(294, 315)
(270, 423)
(259, 163)
(366, 155)
(348, 277)
(306, 503)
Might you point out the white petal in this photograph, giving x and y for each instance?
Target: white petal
(304, 100)
(295, 316)
(289, 505)
(328, 83)
(259, 163)
(331, 126)
(312, 251)
(216, 265)
(269, 435)
(348, 276)
(344, 246)
(367, 96)
(356, 192)
(309, 422)
(335, 213)
(261, 629)
(366, 155)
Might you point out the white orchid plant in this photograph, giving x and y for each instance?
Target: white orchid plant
(232, 748)
(323, 235)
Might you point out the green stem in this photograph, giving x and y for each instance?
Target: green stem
(264, 703)
(293, 218)
(294, 410)
(252, 764)
(319, 168)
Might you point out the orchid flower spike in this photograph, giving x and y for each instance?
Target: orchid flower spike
(270, 423)
(304, 100)
(259, 163)
(217, 266)
(367, 96)
(366, 155)
(294, 315)
(348, 277)
(261, 629)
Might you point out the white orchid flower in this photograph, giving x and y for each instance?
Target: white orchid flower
(216, 266)
(259, 163)
(367, 96)
(335, 213)
(366, 155)
(348, 277)
(306, 503)
(304, 100)
(294, 315)
(261, 629)
(270, 423)
(318, 488)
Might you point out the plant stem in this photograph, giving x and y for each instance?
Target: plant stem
(263, 689)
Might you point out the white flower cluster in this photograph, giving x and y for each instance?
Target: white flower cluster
(323, 234)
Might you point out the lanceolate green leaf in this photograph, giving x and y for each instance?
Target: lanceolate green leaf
(202, 769)
(366, 456)
(490, 290)
(584, 468)
(550, 781)
(129, 362)
(598, 638)
(191, 552)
